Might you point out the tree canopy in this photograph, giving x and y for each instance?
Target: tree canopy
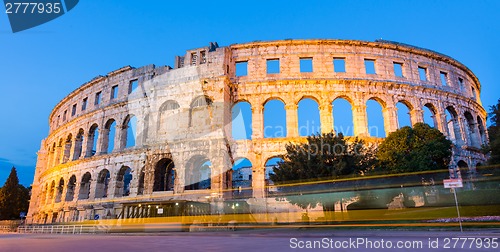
(321, 158)
(420, 148)
(14, 198)
(494, 134)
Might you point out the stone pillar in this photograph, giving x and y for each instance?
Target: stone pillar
(416, 116)
(360, 120)
(59, 155)
(74, 148)
(179, 178)
(390, 119)
(326, 118)
(257, 121)
(102, 141)
(291, 120)
(463, 137)
(258, 177)
(76, 193)
(64, 191)
(139, 130)
(442, 124)
(93, 187)
(120, 141)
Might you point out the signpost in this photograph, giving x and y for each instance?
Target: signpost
(454, 183)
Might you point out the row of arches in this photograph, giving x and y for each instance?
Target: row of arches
(462, 129)
(197, 176)
(115, 137)
(80, 189)
(111, 137)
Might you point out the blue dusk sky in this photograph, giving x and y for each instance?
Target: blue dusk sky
(42, 65)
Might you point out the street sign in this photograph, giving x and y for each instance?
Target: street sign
(452, 183)
(22, 215)
(455, 183)
(96, 217)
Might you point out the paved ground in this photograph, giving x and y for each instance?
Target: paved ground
(260, 240)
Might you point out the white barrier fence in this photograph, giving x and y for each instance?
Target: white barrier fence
(61, 229)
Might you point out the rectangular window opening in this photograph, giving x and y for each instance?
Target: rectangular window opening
(370, 66)
(73, 110)
(97, 98)
(84, 103)
(444, 78)
(422, 73)
(64, 115)
(273, 66)
(398, 69)
(306, 65)
(474, 95)
(114, 92)
(339, 65)
(203, 57)
(241, 68)
(132, 86)
(194, 58)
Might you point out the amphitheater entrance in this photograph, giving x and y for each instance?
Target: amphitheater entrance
(164, 176)
(198, 173)
(241, 179)
(84, 192)
(123, 178)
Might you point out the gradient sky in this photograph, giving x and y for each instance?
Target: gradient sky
(42, 65)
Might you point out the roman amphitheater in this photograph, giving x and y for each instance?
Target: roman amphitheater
(154, 135)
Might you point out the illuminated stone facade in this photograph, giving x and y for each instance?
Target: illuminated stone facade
(170, 128)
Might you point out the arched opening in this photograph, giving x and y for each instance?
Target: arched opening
(70, 190)
(92, 141)
(241, 123)
(482, 132)
(169, 117)
(84, 192)
(123, 178)
(109, 135)
(376, 118)
(241, 178)
(67, 148)
(198, 173)
(164, 175)
(271, 163)
(53, 155)
(274, 119)
(59, 191)
(471, 130)
(462, 167)
(129, 132)
(430, 115)
(453, 126)
(309, 122)
(59, 152)
(140, 183)
(199, 114)
(77, 153)
(51, 192)
(101, 187)
(404, 118)
(342, 117)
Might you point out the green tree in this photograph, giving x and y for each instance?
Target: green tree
(322, 158)
(420, 148)
(494, 135)
(14, 197)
